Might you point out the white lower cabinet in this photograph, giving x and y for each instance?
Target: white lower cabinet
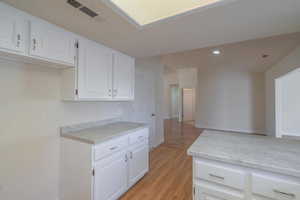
(110, 180)
(215, 180)
(104, 171)
(138, 162)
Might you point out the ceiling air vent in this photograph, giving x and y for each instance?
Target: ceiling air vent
(88, 11)
(74, 3)
(82, 8)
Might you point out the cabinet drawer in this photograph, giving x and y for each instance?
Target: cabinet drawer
(218, 173)
(109, 147)
(206, 191)
(139, 136)
(275, 187)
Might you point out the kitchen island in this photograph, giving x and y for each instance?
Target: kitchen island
(229, 166)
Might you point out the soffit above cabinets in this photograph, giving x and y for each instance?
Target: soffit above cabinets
(144, 12)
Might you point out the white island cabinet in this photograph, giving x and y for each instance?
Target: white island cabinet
(231, 166)
(103, 163)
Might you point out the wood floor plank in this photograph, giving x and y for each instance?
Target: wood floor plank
(170, 174)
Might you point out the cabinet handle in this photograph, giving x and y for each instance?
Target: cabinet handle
(18, 40)
(141, 137)
(115, 92)
(290, 195)
(34, 44)
(131, 155)
(126, 158)
(215, 176)
(113, 148)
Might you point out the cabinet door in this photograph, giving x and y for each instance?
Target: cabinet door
(111, 177)
(51, 42)
(138, 163)
(12, 30)
(123, 80)
(94, 71)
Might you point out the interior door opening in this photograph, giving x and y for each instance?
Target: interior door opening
(188, 105)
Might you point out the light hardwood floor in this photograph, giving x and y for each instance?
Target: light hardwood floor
(170, 175)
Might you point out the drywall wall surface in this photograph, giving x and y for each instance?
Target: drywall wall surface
(149, 98)
(187, 77)
(31, 112)
(230, 99)
(287, 64)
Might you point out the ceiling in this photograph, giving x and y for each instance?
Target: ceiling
(237, 21)
(246, 55)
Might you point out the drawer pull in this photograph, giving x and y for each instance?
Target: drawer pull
(290, 195)
(141, 137)
(217, 177)
(113, 148)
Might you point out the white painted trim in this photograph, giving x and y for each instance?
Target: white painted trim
(132, 21)
(278, 108)
(247, 131)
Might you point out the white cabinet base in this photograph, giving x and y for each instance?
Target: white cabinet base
(215, 180)
(103, 171)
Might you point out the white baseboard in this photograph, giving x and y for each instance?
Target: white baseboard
(260, 132)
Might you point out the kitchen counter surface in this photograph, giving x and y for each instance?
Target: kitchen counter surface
(96, 135)
(260, 152)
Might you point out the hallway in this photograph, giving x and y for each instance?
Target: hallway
(170, 175)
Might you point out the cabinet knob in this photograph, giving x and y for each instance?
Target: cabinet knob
(18, 40)
(34, 44)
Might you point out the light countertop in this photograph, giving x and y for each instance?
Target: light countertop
(260, 152)
(96, 135)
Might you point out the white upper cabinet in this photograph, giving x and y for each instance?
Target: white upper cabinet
(123, 71)
(50, 42)
(12, 33)
(94, 71)
(101, 74)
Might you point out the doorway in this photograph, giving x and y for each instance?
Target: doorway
(188, 105)
(174, 105)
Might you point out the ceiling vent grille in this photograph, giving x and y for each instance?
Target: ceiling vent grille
(74, 3)
(88, 11)
(82, 8)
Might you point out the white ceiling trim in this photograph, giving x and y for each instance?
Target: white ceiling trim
(132, 21)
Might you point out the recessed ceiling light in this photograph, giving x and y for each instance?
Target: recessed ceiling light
(216, 52)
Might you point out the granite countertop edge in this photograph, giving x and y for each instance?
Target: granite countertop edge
(72, 135)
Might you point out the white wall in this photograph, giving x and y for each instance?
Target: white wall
(31, 113)
(289, 63)
(230, 98)
(149, 96)
(187, 77)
